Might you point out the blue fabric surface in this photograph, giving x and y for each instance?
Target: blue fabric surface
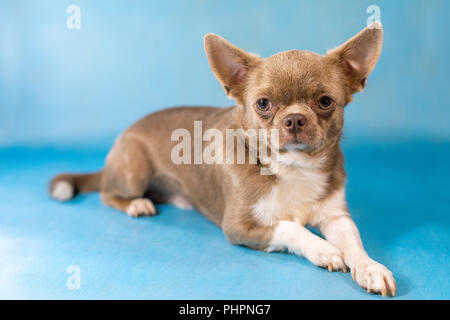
(397, 193)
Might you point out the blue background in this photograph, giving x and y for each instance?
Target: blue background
(66, 94)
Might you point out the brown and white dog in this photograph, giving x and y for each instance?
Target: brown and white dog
(299, 93)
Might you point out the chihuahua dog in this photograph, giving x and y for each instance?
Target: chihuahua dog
(299, 93)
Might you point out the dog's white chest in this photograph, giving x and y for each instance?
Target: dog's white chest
(295, 197)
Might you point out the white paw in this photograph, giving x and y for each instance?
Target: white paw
(141, 207)
(324, 254)
(374, 277)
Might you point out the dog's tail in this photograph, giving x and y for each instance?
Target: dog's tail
(66, 186)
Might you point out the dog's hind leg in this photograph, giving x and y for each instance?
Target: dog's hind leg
(133, 207)
(126, 177)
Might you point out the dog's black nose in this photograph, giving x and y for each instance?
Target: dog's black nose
(294, 122)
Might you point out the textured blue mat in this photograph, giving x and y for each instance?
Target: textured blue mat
(398, 195)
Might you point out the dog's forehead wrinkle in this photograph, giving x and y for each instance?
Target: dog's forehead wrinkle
(294, 77)
(294, 61)
(292, 74)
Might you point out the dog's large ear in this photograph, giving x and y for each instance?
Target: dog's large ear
(229, 64)
(358, 56)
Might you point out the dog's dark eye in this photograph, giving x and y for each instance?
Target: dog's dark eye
(325, 102)
(264, 104)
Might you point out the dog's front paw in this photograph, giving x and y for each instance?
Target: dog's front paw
(374, 277)
(141, 207)
(324, 254)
